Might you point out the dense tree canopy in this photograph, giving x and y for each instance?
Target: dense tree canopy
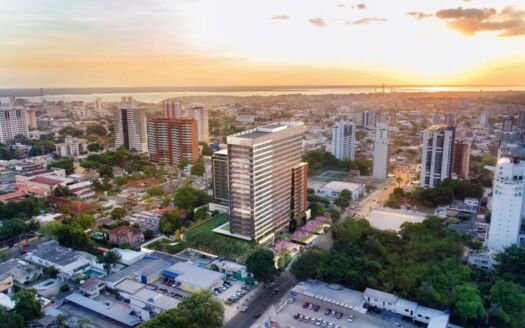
(109, 260)
(261, 264)
(170, 222)
(199, 310)
(27, 304)
(189, 198)
(511, 264)
(24, 209)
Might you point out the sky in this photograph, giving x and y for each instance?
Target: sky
(99, 43)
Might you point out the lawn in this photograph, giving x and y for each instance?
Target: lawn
(202, 237)
(167, 246)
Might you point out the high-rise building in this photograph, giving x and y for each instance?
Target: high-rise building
(393, 118)
(261, 164)
(508, 124)
(98, 104)
(436, 161)
(200, 114)
(521, 121)
(219, 169)
(299, 190)
(130, 126)
(370, 119)
(173, 109)
(71, 147)
(31, 118)
(450, 119)
(436, 119)
(171, 140)
(508, 202)
(343, 140)
(484, 119)
(380, 170)
(13, 121)
(461, 159)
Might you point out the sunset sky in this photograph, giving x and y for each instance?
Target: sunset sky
(95, 43)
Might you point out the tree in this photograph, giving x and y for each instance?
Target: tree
(183, 163)
(11, 320)
(50, 271)
(305, 267)
(118, 213)
(66, 164)
(170, 222)
(317, 209)
(27, 304)
(94, 147)
(109, 260)
(468, 302)
(97, 129)
(84, 221)
(511, 264)
(199, 310)
(334, 214)
(62, 191)
(198, 168)
(64, 288)
(71, 131)
(206, 149)
(346, 194)
(155, 191)
(508, 298)
(261, 264)
(148, 234)
(12, 228)
(343, 203)
(189, 198)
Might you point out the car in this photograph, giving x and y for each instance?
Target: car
(305, 305)
(310, 306)
(296, 316)
(215, 293)
(350, 318)
(257, 315)
(327, 312)
(316, 308)
(338, 315)
(330, 325)
(244, 309)
(397, 324)
(324, 323)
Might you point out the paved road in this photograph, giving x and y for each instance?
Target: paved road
(263, 301)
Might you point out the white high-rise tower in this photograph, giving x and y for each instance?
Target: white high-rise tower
(200, 114)
(436, 159)
(130, 126)
(381, 152)
(343, 140)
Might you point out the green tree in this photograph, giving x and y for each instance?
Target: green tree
(148, 234)
(183, 163)
(468, 302)
(346, 194)
(84, 221)
(334, 214)
(62, 191)
(305, 267)
(11, 320)
(12, 228)
(94, 147)
(317, 209)
(261, 264)
(109, 260)
(511, 264)
(71, 131)
(198, 168)
(206, 149)
(66, 164)
(508, 299)
(155, 191)
(64, 288)
(97, 129)
(189, 198)
(170, 222)
(343, 203)
(199, 310)
(118, 213)
(27, 304)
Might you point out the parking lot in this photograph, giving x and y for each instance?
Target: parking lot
(238, 291)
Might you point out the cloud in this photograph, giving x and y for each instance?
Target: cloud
(363, 21)
(509, 21)
(419, 15)
(360, 6)
(317, 21)
(280, 17)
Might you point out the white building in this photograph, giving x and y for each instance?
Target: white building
(66, 260)
(130, 126)
(343, 140)
(484, 119)
(436, 159)
(199, 112)
(13, 121)
(333, 189)
(380, 170)
(173, 109)
(508, 203)
(71, 147)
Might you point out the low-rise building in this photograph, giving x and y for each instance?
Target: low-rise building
(21, 271)
(126, 235)
(333, 189)
(71, 147)
(92, 287)
(146, 271)
(193, 278)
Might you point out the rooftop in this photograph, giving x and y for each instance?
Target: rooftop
(194, 275)
(51, 251)
(338, 186)
(146, 266)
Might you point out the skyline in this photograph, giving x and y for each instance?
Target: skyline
(232, 43)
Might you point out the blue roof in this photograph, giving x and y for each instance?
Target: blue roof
(101, 309)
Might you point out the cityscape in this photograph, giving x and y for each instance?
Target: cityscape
(172, 164)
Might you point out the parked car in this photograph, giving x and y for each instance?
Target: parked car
(350, 318)
(244, 309)
(305, 305)
(316, 308)
(327, 312)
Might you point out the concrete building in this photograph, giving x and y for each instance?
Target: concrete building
(22, 272)
(450, 119)
(343, 140)
(260, 171)
(484, 119)
(370, 119)
(508, 124)
(31, 118)
(171, 140)
(436, 119)
(173, 109)
(13, 122)
(521, 121)
(71, 147)
(92, 287)
(193, 278)
(299, 190)
(508, 202)
(130, 126)
(436, 159)
(461, 159)
(66, 260)
(380, 169)
(200, 113)
(333, 189)
(219, 167)
(126, 235)
(97, 104)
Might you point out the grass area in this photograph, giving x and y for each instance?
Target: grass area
(202, 237)
(167, 246)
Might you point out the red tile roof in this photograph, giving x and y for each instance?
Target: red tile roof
(46, 180)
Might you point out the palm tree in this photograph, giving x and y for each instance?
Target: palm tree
(109, 260)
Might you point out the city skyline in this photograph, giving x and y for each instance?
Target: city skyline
(204, 43)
